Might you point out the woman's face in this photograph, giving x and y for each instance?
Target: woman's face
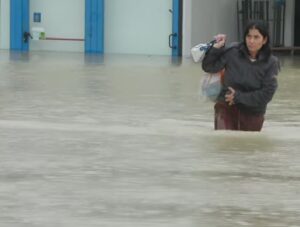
(255, 41)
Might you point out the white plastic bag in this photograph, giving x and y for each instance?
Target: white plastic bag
(211, 85)
(199, 50)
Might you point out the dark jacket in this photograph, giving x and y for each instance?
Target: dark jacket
(254, 82)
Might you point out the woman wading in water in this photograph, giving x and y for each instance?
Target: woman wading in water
(249, 80)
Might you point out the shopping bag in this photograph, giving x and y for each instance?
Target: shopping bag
(211, 85)
(199, 50)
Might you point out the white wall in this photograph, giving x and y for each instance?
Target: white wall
(210, 17)
(203, 19)
(186, 27)
(138, 26)
(4, 24)
(289, 23)
(60, 19)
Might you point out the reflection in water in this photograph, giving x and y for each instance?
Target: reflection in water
(19, 56)
(124, 140)
(94, 58)
(246, 142)
(176, 61)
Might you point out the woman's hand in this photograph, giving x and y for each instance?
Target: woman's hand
(220, 40)
(229, 96)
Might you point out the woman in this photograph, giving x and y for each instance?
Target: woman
(249, 80)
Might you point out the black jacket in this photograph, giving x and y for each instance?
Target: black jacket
(254, 82)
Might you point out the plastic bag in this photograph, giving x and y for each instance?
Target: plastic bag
(199, 50)
(211, 85)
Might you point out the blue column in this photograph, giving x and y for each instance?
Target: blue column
(19, 23)
(94, 26)
(176, 31)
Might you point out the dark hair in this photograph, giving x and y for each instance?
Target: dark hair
(262, 27)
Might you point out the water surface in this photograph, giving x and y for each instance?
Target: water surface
(125, 141)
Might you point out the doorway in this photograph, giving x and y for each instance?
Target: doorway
(138, 26)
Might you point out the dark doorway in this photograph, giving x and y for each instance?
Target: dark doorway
(297, 24)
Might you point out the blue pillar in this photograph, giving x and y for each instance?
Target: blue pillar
(176, 28)
(94, 26)
(19, 23)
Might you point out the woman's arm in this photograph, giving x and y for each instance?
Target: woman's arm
(213, 61)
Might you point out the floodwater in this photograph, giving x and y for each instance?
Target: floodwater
(126, 141)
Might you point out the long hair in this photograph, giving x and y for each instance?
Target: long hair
(262, 27)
